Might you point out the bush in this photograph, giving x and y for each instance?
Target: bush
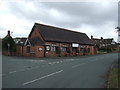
(5, 42)
(105, 49)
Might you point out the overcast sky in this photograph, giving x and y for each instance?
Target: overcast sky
(93, 18)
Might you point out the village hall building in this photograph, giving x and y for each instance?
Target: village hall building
(49, 41)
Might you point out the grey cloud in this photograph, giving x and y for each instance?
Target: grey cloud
(92, 12)
(88, 13)
(82, 12)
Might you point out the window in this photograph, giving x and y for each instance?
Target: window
(88, 50)
(53, 48)
(64, 49)
(21, 42)
(82, 49)
(47, 48)
(28, 49)
(74, 49)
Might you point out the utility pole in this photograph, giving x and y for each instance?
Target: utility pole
(118, 30)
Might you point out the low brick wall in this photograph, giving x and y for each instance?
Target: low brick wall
(6, 53)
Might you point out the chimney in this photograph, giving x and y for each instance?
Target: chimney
(101, 37)
(9, 33)
(91, 36)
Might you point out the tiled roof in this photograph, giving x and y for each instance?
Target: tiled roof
(55, 34)
(20, 41)
(103, 41)
(36, 41)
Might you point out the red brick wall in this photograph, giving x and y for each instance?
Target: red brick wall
(6, 53)
(53, 53)
(50, 53)
(36, 33)
(39, 53)
(34, 52)
(19, 50)
(31, 53)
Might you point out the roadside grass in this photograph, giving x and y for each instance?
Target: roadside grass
(113, 80)
(101, 52)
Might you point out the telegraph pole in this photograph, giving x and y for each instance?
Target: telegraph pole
(118, 30)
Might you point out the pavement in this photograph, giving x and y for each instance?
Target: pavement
(58, 72)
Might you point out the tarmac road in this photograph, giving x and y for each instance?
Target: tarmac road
(59, 72)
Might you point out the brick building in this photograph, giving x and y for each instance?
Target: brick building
(20, 44)
(101, 43)
(105, 44)
(48, 41)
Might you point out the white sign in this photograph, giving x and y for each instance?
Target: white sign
(75, 45)
(40, 49)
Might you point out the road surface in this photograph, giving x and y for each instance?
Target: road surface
(59, 72)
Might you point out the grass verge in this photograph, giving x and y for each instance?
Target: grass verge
(113, 78)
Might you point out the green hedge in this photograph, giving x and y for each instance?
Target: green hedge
(5, 42)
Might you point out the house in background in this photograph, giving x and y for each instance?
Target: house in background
(106, 44)
(47, 41)
(102, 42)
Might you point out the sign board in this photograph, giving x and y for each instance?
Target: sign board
(40, 49)
(75, 45)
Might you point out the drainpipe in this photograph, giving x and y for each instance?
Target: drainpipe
(22, 50)
(59, 50)
(44, 51)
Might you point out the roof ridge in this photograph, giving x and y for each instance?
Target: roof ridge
(20, 37)
(59, 28)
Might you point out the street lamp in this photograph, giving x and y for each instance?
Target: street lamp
(8, 48)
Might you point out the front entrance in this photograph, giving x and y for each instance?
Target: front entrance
(75, 51)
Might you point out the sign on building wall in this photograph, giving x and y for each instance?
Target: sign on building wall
(75, 45)
(40, 49)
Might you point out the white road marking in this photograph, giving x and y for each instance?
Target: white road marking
(61, 61)
(49, 63)
(25, 69)
(42, 60)
(57, 62)
(41, 77)
(12, 72)
(78, 65)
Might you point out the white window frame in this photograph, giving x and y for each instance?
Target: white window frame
(53, 48)
(47, 49)
(28, 42)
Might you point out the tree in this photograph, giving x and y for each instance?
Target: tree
(8, 40)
